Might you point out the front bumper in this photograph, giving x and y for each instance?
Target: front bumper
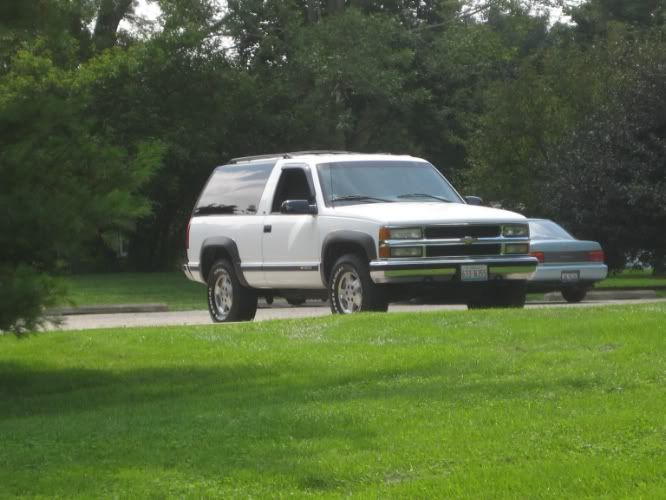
(428, 270)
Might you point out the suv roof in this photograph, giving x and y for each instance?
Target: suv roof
(299, 154)
(288, 155)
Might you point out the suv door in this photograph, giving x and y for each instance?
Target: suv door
(290, 244)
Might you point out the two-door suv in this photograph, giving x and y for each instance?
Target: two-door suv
(360, 229)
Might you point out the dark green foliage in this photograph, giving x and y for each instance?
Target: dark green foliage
(609, 178)
(66, 180)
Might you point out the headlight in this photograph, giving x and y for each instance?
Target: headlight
(401, 233)
(515, 230)
(406, 252)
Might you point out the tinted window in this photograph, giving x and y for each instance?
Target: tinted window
(405, 181)
(234, 189)
(547, 230)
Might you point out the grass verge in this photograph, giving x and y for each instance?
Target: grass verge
(180, 294)
(632, 279)
(173, 289)
(521, 404)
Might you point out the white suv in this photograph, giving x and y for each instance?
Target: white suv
(360, 229)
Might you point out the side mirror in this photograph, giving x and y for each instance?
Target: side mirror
(298, 207)
(473, 200)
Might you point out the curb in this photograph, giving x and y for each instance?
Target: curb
(109, 309)
(607, 295)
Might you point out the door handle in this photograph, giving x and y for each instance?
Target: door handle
(268, 228)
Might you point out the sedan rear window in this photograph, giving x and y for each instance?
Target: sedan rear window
(548, 230)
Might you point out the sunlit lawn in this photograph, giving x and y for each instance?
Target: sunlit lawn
(632, 279)
(173, 289)
(478, 404)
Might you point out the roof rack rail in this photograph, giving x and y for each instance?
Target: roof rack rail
(287, 155)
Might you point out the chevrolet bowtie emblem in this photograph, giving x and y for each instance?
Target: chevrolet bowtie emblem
(468, 240)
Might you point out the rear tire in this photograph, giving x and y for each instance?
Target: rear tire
(574, 294)
(351, 289)
(228, 300)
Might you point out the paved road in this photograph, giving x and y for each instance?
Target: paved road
(278, 311)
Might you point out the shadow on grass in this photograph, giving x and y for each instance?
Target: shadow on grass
(220, 420)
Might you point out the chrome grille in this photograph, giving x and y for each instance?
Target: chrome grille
(456, 232)
(462, 250)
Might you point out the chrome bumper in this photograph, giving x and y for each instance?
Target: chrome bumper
(426, 270)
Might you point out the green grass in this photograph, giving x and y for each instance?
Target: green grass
(173, 289)
(179, 293)
(633, 279)
(546, 403)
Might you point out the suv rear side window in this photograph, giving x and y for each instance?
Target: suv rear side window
(234, 189)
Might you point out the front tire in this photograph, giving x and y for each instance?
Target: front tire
(228, 300)
(351, 289)
(574, 294)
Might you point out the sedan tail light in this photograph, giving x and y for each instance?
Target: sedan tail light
(187, 236)
(539, 256)
(596, 256)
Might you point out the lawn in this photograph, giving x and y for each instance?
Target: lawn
(179, 293)
(547, 403)
(633, 279)
(173, 289)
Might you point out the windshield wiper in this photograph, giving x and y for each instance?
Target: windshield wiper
(424, 195)
(360, 197)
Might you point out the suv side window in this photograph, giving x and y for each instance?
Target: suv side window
(234, 189)
(293, 185)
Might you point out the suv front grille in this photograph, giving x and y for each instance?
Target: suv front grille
(455, 232)
(462, 250)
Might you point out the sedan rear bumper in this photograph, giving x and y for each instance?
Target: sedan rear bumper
(552, 273)
(425, 270)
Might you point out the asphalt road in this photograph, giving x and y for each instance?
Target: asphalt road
(278, 311)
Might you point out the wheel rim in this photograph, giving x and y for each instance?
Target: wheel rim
(350, 292)
(223, 294)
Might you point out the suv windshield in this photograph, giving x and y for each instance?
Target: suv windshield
(384, 181)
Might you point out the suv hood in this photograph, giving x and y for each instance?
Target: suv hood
(425, 213)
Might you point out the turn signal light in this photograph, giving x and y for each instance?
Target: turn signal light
(539, 256)
(596, 256)
(384, 251)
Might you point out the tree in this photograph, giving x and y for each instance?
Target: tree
(608, 178)
(65, 180)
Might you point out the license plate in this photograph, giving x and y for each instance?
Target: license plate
(474, 273)
(569, 276)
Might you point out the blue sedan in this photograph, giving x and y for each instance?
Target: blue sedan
(566, 264)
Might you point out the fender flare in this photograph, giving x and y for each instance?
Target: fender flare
(364, 240)
(231, 248)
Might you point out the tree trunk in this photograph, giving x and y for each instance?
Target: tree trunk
(314, 11)
(335, 6)
(659, 266)
(111, 12)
